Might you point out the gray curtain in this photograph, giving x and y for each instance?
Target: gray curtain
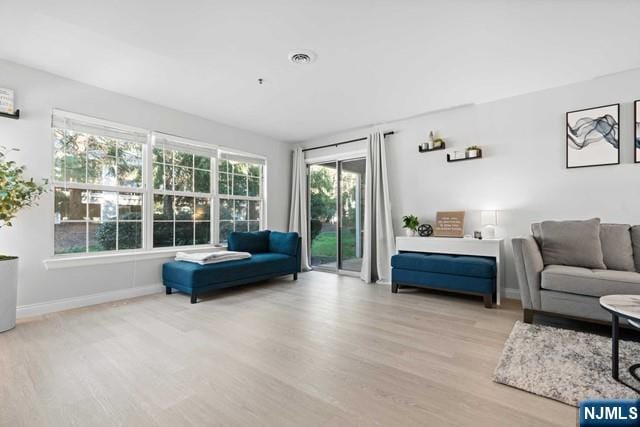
(298, 218)
(379, 239)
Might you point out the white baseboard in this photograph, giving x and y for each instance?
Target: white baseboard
(85, 300)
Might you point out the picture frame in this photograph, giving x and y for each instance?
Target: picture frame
(636, 132)
(593, 136)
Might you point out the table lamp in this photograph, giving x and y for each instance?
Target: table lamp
(489, 220)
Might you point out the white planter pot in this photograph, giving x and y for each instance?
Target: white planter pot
(473, 153)
(8, 293)
(409, 232)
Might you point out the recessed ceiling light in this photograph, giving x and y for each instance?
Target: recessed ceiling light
(302, 57)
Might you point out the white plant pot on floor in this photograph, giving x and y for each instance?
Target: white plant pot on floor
(8, 293)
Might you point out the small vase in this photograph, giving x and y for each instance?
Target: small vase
(472, 153)
(409, 232)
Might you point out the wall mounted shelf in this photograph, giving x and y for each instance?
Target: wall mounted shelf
(449, 159)
(14, 116)
(442, 147)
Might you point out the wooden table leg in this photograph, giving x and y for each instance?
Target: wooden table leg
(614, 346)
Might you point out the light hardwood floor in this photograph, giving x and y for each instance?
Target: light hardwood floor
(325, 350)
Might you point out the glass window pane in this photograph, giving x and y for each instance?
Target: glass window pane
(102, 236)
(101, 161)
(203, 209)
(202, 181)
(240, 168)
(129, 235)
(75, 159)
(129, 206)
(183, 179)
(58, 154)
(242, 225)
(69, 205)
(184, 209)
(183, 159)
(184, 233)
(70, 237)
(226, 209)
(158, 176)
(129, 164)
(162, 207)
(169, 178)
(240, 211)
(254, 225)
(102, 205)
(202, 162)
(254, 187)
(223, 183)
(254, 210)
(239, 185)
(158, 155)
(224, 166)
(203, 233)
(162, 234)
(226, 227)
(255, 170)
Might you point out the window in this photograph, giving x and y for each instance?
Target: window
(240, 187)
(119, 188)
(182, 192)
(98, 185)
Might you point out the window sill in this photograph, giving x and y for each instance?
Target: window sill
(118, 258)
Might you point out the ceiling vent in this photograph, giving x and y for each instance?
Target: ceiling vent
(302, 57)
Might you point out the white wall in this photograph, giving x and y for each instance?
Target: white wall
(523, 173)
(31, 237)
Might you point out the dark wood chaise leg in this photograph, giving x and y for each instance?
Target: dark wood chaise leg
(295, 276)
(167, 290)
(394, 288)
(488, 300)
(194, 298)
(527, 315)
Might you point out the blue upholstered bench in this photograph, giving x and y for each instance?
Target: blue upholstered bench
(466, 274)
(273, 254)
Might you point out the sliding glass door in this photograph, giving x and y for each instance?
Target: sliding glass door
(336, 214)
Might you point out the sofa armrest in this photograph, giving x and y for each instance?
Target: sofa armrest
(529, 265)
(299, 255)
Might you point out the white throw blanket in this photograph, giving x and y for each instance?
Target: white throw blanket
(204, 258)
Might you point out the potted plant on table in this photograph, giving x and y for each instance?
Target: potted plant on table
(16, 192)
(410, 224)
(473, 151)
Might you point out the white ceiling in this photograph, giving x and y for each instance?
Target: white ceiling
(377, 60)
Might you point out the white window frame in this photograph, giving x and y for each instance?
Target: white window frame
(147, 251)
(243, 157)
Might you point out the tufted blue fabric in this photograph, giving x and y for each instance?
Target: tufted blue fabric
(254, 242)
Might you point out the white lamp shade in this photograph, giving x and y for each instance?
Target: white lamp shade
(489, 217)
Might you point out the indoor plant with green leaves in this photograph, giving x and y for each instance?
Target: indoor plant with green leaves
(16, 192)
(410, 224)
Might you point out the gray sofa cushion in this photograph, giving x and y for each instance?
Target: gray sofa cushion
(635, 239)
(616, 246)
(584, 281)
(575, 243)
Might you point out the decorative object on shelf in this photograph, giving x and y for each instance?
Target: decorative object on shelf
(425, 230)
(410, 224)
(477, 235)
(636, 135)
(435, 143)
(459, 156)
(15, 115)
(17, 192)
(473, 151)
(593, 137)
(6, 101)
(489, 220)
(449, 224)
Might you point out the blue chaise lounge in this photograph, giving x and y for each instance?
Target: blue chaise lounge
(273, 254)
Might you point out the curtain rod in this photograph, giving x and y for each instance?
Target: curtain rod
(342, 143)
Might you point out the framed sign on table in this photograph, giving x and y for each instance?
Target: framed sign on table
(449, 224)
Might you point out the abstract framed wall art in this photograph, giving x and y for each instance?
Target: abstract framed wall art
(593, 137)
(636, 132)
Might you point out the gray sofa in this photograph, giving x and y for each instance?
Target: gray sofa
(564, 267)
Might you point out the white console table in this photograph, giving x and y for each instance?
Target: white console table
(458, 246)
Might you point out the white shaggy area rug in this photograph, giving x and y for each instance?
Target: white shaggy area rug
(566, 365)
